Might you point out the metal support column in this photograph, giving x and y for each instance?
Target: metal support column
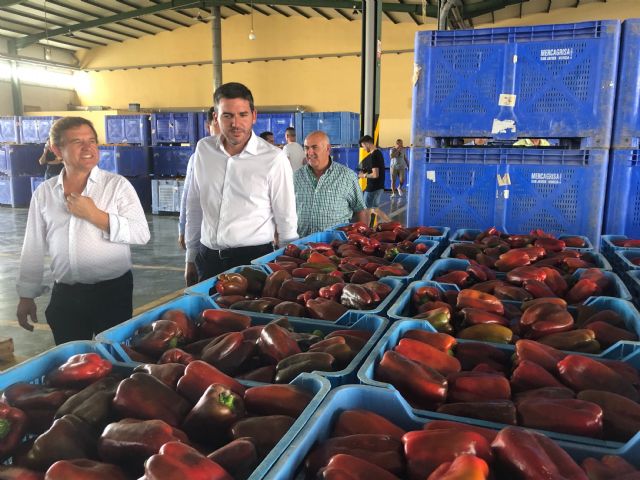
(216, 31)
(16, 90)
(371, 53)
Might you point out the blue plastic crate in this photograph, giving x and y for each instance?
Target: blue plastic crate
(339, 126)
(174, 127)
(626, 120)
(347, 156)
(543, 81)
(142, 186)
(35, 129)
(279, 124)
(171, 161)
(624, 258)
(366, 375)
(459, 235)
(166, 195)
(19, 160)
(622, 213)
(129, 161)
(10, 129)
(390, 404)
(193, 307)
(35, 183)
(15, 191)
(131, 129)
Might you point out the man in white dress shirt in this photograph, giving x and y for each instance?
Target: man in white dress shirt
(241, 192)
(293, 149)
(85, 219)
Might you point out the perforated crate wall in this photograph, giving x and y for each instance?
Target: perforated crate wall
(622, 214)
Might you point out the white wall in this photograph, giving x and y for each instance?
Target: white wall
(6, 101)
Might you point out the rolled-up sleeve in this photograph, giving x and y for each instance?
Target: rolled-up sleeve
(283, 199)
(29, 283)
(129, 225)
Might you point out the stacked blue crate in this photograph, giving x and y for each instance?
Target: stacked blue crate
(339, 126)
(35, 129)
(127, 129)
(170, 128)
(550, 81)
(622, 210)
(18, 163)
(10, 129)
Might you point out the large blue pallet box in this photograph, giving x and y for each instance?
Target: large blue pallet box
(339, 126)
(543, 81)
(201, 120)
(142, 186)
(166, 194)
(347, 156)
(193, 306)
(10, 129)
(396, 331)
(15, 191)
(35, 129)
(626, 119)
(390, 404)
(18, 160)
(459, 235)
(127, 160)
(625, 266)
(35, 369)
(35, 183)
(279, 124)
(171, 161)
(622, 211)
(174, 127)
(130, 129)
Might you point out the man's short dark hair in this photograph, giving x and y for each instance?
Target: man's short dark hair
(266, 134)
(233, 90)
(290, 130)
(210, 114)
(66, 123)
(366, 139)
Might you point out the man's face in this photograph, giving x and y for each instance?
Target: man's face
(367, 146)
(317, 149)
(78, 148)
(235, 118)
(399, 143)
(270, 139)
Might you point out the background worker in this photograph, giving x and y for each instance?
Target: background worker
(327, 193)
(85, 219)
(372, 168)
(240, 192)
(53, 163)
(399, 167)
(293, 149)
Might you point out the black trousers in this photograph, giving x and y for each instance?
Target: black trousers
(212, 262)
(80, 311)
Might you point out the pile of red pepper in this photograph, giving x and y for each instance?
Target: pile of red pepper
(475, 314)
(227, 340)
(365, 445)
(320, 295)
(627, 243)
(163, 421)
(526, 283)
(540, 387)
(504, 253)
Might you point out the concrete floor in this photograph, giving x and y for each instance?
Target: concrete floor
(157, 272)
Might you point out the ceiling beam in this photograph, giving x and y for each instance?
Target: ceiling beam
(279, 10)
(300, 12)
(343, 14)
(321, 13)
(390, 17)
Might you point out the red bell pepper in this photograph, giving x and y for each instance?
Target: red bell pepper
(231, 284)
(509, 292)
(543, 319)
(487, 433)
(527, 454)
(291, 288)
(427, 355)
(529, 375)
(167, 373)
(574, 417)
(130, 442)
(133, 396)
(544, 392)
(93, 403)
(199, 375)
(277, 343)
(217, 322)
(239, 457)
(352, 422)
(426, 450)
(579, 340)
(480, 300)
(439, 317)
(583, 373)
(176, 355)
(500, 411)
(419, 384)
(324, 309)
(475, 316)
(177, 461)
(471, 354)
(292, 250)
(228, 352)
(289, 368)
(265, 431)
(464, 467)
(457, 277)
(477, 387)
(154, 339)
(607, 334)
(621, 416)
(13, 425)
(609, 467)
(582, 290)
(441, 341)
(79, 371)
(545, 356)
(11, 472)
(288, 400)
(349, 467)
(84, 469)
(181, 319)
(512, 259)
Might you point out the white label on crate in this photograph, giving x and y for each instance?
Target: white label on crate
(554, 54)
(431, 175)
(506, 193)
(507, 100)
(547, 178)
(501, 126)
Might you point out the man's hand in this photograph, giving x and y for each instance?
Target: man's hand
(27, 309)
(181, 242)
(190, 274)
(84, 207)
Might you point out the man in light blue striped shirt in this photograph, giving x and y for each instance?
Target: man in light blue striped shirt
(327, 193)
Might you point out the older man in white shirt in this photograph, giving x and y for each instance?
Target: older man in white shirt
(240, 192)
(85, 218)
